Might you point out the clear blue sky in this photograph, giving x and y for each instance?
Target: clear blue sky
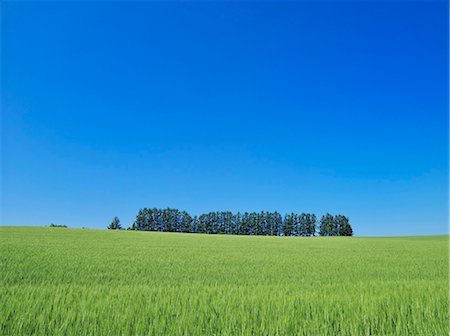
(337, 107)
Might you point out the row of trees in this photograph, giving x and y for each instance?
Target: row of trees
(264, 223)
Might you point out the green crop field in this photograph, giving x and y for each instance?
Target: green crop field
(57, 281)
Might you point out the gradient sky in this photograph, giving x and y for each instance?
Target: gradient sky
(337, 107)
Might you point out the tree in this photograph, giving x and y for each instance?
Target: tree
(227, 221)
(343, 225)
(277, 227)
(202, 224)
(302, 225)
(245, 224)
(312, 220)
(146, 219)
(212, 223)
(170, 219)
(139, 221)
(115, 224)
(288, 225)
(328, 226)
(253, 223)
(158, 218)
(307, 224)
(236, 223)
(186, 222)
(221, 225)
(195, 224)
(262, 224)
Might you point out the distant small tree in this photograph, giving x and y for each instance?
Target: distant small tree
(115, 224)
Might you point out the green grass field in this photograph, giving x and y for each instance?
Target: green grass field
(57, 281)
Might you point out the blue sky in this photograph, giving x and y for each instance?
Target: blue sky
(337, 107)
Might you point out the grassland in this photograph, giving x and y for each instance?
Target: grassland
(57, 281)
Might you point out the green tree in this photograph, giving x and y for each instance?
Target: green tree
(311, 224)
(245, 224)
(302, 228)
(236, 223)
(289, 224)
(343, 224)
(186, 222)
(277, 227)
(115, 224)
(328, 226)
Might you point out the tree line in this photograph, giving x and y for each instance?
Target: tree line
(264, 223)
(57, 226)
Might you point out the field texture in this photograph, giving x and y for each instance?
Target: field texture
(57, 281)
